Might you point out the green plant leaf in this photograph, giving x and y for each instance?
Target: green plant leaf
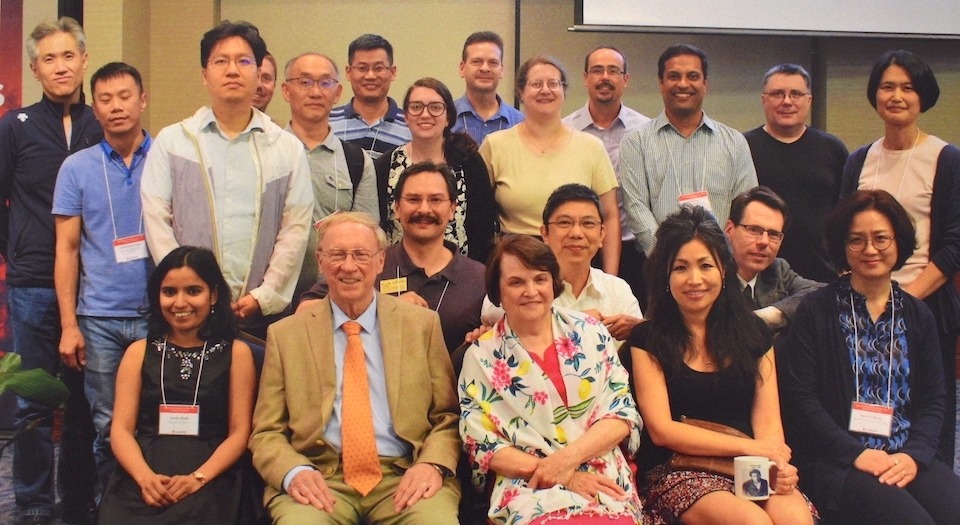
(37, 385)
(10, 362)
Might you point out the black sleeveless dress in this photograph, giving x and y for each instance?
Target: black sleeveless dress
(218, 502)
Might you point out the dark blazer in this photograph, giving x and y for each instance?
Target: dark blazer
(817, 386)
(750, 489)
(782, 288)
(298, 387)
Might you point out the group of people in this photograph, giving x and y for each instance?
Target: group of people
(467, 280)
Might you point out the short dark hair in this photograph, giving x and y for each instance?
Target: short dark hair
(836, 226)
(570, 193)
(586, 60)
(536, 61)
(532, 252)
(681, 49)
(763, 195)
(480, 37)
(227, 29)
(369, 42)
(921, 76)
(441, 89)
(221, 323)
(427, 166)
(114, 70)
(786, 69)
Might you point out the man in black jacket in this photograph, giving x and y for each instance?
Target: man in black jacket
(34, 141)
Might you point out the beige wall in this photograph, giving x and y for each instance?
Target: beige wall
(428, 35)
(34, 12)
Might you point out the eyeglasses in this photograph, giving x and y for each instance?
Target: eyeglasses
(359, 256)
(585, 223)
(267, 78)
(879, 242)
(378, 69)
(779, 94)
(307, 83)
(552, 84)
(242, 62)
(755, 232)
(598, 71)
(417, 200)
(434, 108)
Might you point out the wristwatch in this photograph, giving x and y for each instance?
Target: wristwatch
(197, 475)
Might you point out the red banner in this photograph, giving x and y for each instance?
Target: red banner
(11, 97)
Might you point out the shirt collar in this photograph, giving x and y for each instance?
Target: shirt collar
(367, 319)
(463, 105)
(141, 151)
(393, 110)
(449, 272)
(662, 121)
(210, 123)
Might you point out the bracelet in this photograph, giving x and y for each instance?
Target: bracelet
(440, 470)
(197, 475)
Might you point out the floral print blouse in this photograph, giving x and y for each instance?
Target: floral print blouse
(506, 400)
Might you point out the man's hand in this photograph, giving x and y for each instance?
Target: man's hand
(309, 488)
(73, 350)
(475, 334)
(420, 481)
(414, 299)
(246, 307)
(620, 325)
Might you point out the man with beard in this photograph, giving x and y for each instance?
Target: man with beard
(371, 120)
(480, 111)
(423, 268)
(607, 118)
(682, 157)
(758, 218)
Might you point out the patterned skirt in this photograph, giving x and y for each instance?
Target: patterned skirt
(668, 494)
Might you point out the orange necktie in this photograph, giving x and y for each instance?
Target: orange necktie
(361, 464)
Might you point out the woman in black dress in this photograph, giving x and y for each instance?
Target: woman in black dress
(184, 403)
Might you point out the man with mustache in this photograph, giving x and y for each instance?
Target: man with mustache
(480, 111)
(682, 157)
(758, 218)
(802, 164)
(423, 268)
(607, 118)
(372, 119)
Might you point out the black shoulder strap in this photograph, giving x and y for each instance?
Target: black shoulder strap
(354, 156)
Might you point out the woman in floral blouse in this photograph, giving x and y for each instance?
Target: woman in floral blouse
(545, 402)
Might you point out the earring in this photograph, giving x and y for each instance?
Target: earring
(212, 309)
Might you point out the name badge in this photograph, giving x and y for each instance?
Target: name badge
(132, 248)
(697, 198)
(179, 420)
(395, 286)
(871, 419)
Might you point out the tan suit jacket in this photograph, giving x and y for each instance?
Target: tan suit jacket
(298, 386)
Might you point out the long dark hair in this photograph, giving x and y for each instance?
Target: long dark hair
(457, 145)
(221, 323)
(735, 337)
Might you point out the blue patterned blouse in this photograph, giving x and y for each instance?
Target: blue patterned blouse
(879, 357)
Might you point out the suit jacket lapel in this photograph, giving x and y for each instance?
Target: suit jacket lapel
(320, 336)
(391, 333)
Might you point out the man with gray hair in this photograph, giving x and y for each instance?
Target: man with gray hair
(341, 172)
(801, 164)
(34, 141)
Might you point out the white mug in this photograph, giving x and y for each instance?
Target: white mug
(752, 477)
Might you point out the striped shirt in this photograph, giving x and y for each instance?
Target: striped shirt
(382, 136)
(658, 165)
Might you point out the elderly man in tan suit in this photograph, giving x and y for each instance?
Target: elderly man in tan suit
(356, 418)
